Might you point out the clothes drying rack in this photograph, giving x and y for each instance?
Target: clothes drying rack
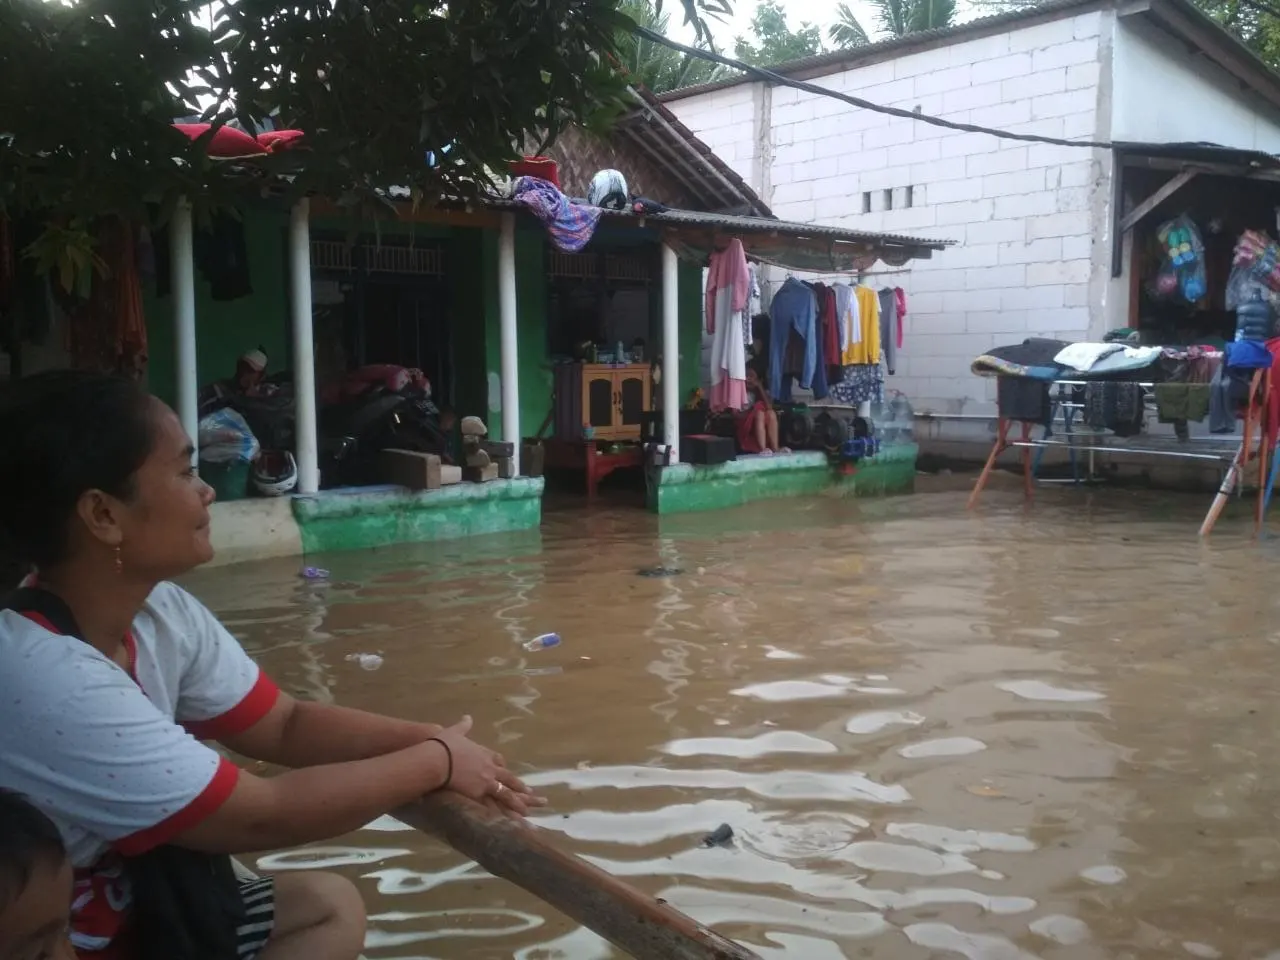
(1255, 443)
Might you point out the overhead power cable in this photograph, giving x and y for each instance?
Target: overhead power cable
(761, 73)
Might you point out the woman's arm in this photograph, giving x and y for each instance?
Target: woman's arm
(300, 733)
(320, 802)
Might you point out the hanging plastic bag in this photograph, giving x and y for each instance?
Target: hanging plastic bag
(1184, 256)
(1243, 287)
(225, 437)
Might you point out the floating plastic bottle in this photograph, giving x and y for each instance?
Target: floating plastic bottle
(542, 642)
(367, 661)
(315, 573)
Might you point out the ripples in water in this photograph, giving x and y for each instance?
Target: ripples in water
(992, 735)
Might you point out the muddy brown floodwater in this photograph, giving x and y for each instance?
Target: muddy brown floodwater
(1046, 733)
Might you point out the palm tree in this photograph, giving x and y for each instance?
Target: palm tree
(897, 18)
(931, 15)
(847, 33)
(655, 66)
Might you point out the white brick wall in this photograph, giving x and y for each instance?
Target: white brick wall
(1023, 213)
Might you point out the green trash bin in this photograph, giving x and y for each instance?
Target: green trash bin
(230, 481)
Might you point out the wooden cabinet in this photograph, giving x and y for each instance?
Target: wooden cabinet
(611, 399)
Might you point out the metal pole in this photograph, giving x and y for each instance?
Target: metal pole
(670, 354)
(182, 257)
(304, 351)
(507, 324)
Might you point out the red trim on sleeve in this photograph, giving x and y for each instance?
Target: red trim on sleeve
(41, 620)
(257, 703)
(201, 808)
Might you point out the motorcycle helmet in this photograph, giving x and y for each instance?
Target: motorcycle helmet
(608, 190)
(275, 473)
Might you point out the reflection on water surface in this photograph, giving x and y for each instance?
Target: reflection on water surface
(1016, 733)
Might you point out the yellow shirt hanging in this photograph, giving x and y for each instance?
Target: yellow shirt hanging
(867, 347)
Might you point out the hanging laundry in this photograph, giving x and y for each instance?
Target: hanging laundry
(221, 255)
(888, 328)
(108, 332)
(901, 297)
(728, 296)
(860, 383)
(867, 348)
(828, 317)
(793, 309)
(847, 310)
(570, 226)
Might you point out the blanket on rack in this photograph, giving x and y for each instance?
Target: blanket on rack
(1032, 359)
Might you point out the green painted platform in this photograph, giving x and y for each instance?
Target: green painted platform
(377, 516)
(684, 488)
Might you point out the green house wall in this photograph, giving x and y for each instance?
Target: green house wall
(226, 329)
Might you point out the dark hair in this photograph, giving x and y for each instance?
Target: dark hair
(27, 839)
(62, 433)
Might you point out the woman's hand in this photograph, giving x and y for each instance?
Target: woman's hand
(481, 775)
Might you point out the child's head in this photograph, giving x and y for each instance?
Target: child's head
(35, 884)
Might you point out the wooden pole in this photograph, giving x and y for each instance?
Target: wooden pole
(646, 928)
(1028, 476)
(997, 448)
(1236, 472)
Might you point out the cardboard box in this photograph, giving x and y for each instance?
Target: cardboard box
(409, 468)
(532, 458)
(480, 474)
(450, 475)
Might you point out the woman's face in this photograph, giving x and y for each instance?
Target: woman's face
(163, 531)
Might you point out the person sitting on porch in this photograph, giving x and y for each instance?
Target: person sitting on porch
(111, 677)
(757, 424)
(251, 367)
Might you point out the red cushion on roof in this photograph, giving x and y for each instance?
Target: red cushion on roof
(227, 142)
(544, 168)
(275, 140)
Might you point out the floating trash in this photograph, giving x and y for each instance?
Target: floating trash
(542, 642)
(659, 572)
(315, 573)
(367, 661)
(718, 837)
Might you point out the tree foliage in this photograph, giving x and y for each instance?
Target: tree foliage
(89, 90)
(847, 33)
(775, 42)
(1256, 25)
(896, 18)
(658, 67)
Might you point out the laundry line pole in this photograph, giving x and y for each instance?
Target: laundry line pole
(670, 353)
(304, 350)
(508, 340)
(182, 258)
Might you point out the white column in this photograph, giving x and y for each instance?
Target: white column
(507, 325)
(182, 269)
(304, 351)
(670, 353)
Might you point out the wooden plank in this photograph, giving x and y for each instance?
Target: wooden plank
(646, 928)
(1166, 191)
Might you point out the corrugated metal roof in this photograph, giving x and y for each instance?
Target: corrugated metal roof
(757, 225)
(784, 228)
(1193, 153)
(656, 131)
